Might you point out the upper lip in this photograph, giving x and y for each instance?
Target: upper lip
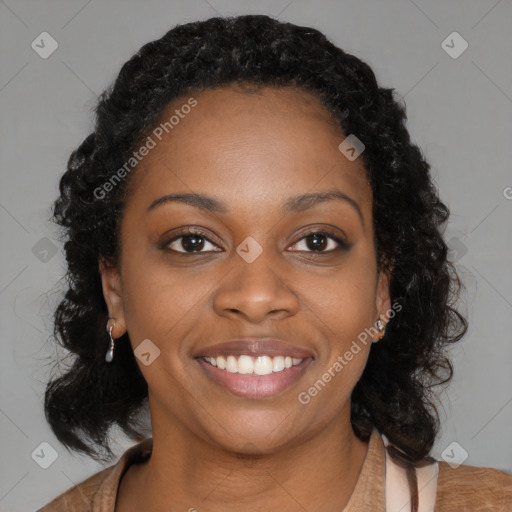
(255, 347)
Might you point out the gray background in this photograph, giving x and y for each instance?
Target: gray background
(460, 113)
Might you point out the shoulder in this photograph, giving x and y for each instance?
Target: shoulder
(98, 492)
(470, 488)
(79, 498)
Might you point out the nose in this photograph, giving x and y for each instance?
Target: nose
(255, 292)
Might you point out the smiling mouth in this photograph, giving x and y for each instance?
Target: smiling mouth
(254, 377)
(253, 365)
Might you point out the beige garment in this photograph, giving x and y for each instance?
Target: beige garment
(464, 489)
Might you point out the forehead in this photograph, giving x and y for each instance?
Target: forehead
(248, 146)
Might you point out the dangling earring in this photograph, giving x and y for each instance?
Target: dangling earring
(381, 326)
(110, 352)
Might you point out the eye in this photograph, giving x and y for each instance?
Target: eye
(319, 242)
(192, 242)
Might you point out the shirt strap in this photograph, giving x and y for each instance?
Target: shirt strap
(398, 498)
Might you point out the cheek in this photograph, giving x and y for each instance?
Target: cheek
(161, 304)
(344, 297)
(164, 307)
(343, 308)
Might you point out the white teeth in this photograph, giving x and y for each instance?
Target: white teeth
(263, 365)
(250, 365)
(231, 364)
(245, 364)
(278, 364)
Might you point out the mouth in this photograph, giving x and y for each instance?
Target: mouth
(254, 368)
(249, 365)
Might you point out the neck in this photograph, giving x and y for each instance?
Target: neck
(187, 473)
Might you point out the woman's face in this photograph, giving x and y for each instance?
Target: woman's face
(265, 247)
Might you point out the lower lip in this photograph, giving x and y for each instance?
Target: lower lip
(255, 386)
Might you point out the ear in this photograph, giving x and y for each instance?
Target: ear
(382, 297)
(112, 293)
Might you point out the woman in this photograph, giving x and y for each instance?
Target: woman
(252, 226)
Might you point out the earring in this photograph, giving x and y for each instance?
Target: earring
(110, 352)
(381, 326)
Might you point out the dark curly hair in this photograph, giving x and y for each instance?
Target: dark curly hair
(395, 392)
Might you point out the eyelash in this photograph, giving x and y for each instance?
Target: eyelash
(342, 244)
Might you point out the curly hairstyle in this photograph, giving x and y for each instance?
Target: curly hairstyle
(395, 392)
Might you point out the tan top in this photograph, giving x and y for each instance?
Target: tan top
(465, 488)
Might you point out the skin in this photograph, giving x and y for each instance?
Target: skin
(213, 450)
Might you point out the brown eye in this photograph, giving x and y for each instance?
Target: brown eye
(316, 242)
(319, 242)
(192, 242)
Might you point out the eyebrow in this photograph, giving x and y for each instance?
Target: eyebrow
(293, 204)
